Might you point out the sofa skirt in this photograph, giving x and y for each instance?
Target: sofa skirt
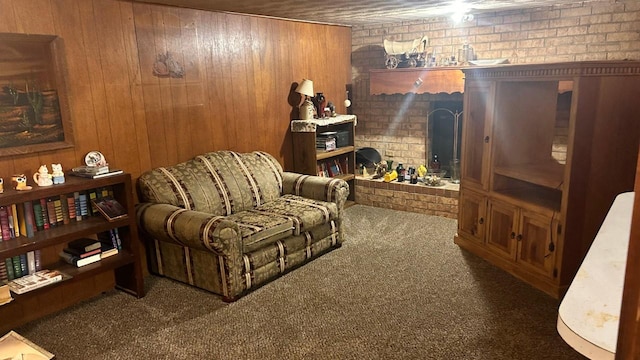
(231, 278)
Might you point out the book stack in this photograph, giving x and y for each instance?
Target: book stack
(82, 252)
(94, 172)
(110, 243)
(326, 141)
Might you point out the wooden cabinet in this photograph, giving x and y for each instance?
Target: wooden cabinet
(476, 135)
(522, 236)
(472, 215)
(123, 270)
(503, 228)
(536, 239)
(548, 146)
(311, 160)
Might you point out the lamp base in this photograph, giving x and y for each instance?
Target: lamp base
(307, 110)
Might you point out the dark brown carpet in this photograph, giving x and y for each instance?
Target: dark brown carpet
(399, 288)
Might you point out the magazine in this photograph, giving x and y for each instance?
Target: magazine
(34, 281)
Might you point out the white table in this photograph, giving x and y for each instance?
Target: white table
(589, 314)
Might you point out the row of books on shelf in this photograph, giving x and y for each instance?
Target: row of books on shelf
(23, 273)
(333, 167)
(20, 265)
(26, 219)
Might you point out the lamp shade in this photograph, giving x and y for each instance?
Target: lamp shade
(305, 87)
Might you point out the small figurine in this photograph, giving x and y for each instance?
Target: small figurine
(332, 109)
(390, 176)
(20, 182)
(42, 177)
(1, 185)
(57, 174)
(381, 169)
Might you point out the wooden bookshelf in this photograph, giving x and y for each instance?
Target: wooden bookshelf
(307, 158)
(122, 271)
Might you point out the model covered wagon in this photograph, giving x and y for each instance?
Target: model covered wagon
(408, 53)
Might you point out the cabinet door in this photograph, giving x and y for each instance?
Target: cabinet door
(535, 249)
(471, 215)
(502, 229)
(476, 131)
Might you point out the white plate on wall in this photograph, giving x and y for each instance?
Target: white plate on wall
(485, 62)
(94, 158)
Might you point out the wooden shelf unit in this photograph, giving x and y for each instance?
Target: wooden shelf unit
(306, 157)
(549, 174)
(524, 207)
(323, 154)
(123, 271)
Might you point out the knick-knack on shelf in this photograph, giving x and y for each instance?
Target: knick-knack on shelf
(321, 101)
(56, 174)
(20, 182)
(42, 177)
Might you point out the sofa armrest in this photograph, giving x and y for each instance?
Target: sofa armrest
(316, 187)
(193, 229)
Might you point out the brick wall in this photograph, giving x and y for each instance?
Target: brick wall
(396, 124)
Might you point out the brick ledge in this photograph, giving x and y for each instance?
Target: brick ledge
(438, 201)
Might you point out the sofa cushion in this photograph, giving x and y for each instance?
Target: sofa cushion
(219, 183)
(258, 229)
(305, 213)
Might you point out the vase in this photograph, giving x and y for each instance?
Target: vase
(455, 171)
(320, 104)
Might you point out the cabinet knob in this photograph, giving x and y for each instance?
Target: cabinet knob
(486, 139)
(513, 235)
(519, 237)
(481, 221)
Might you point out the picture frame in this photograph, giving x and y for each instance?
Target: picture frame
(16, 346)
(34, 109)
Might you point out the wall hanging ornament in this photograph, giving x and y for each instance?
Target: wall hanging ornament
(166, 66)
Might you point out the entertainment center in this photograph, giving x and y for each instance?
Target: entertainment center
(545, 150)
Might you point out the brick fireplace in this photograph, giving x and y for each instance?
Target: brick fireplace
(397, 126)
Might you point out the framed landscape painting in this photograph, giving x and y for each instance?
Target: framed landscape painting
(33, 105)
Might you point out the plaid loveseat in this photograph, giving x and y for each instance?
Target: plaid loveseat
(228, 222)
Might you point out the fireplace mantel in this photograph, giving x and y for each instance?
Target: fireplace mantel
(416, 80)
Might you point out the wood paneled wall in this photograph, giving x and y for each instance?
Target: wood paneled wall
(236, 93)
